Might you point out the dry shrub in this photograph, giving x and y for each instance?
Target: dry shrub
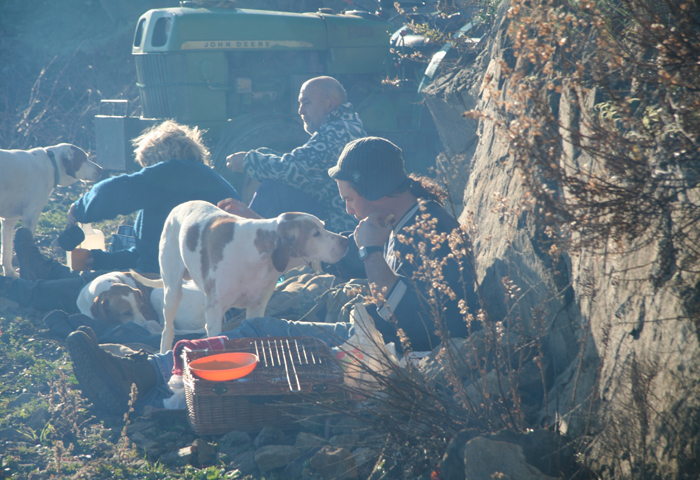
(494, 379)
(601, 108)
(57, 102)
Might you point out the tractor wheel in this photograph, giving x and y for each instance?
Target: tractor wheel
(279, 133)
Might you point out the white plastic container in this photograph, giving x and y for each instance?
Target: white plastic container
(94, 240)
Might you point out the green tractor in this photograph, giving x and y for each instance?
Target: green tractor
(237, 74)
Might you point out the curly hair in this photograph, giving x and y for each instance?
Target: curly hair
(170, 140)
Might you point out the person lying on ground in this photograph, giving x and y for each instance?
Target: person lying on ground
(174, 170)
(423, 288)
(298, 181)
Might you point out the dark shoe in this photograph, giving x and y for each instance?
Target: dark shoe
(32, 264)
(90, 333)
(106, 379)
(71, 237)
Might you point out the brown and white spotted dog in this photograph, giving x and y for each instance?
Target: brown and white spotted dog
(119, 297)
(235, 261)
(27, 178)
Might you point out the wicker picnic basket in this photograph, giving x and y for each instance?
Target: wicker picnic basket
(291, 372)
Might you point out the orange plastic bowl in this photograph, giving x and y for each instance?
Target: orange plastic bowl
(224, 366)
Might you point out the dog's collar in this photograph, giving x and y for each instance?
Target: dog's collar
(52, 157)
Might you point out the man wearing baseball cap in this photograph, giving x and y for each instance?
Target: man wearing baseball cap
(417, 289)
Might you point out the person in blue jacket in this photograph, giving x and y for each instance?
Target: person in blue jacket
(175, 170)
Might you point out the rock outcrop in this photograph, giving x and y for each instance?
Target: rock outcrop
(624, 354)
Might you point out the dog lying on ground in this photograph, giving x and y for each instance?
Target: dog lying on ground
(118, 297)
(28, 177)
(235, 261)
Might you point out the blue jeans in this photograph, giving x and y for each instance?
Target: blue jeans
(332, 334)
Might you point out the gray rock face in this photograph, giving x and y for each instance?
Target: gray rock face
(613, 336)
(509, 246)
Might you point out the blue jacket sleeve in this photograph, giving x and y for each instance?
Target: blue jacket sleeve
(120, 195)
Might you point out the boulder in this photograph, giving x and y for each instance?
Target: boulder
(205, 452)
(178, 458)
(348, 440)
(271, 457)
(484, 458)
(236, 440)
(245, 462)
(20, 400)
(549, 452)
(38, 419)
(334, 464)
(307, 441)
(268, 436)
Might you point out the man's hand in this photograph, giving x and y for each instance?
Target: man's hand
(70, 217)
(236, 207)
(234, 162)
(373, 230)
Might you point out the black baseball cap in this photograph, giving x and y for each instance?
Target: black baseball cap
(372, 165)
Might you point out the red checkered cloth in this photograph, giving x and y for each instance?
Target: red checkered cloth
(211, 343)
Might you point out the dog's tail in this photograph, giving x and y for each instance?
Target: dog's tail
(149, 282)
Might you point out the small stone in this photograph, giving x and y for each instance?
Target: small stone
(37, 420)
(365, 459)
(484, 458)
(348, 425)
(348, 441)
(205, 451)
(296, 468)
(169, 437)
(138, 427)
(269, 436)
(39, 476)
(334, 464)
(12, 435)
(271, 457)
(306, 441)
(178, 458)
(236, 439)
(245, 462)
(21, 400)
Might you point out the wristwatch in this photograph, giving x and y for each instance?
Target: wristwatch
(364, 252)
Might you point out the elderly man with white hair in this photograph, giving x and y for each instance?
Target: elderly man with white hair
(298, 181)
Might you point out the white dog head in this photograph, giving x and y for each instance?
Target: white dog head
(303, 236)
(75, 163)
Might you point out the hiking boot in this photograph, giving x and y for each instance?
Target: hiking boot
(106, 379)
(32, 264)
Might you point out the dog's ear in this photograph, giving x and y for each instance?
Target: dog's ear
(69, 158)
(285, 243)
(281, 253)
(99, 308)
(145, 306)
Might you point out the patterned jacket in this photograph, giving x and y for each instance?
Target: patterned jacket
(306, 167)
